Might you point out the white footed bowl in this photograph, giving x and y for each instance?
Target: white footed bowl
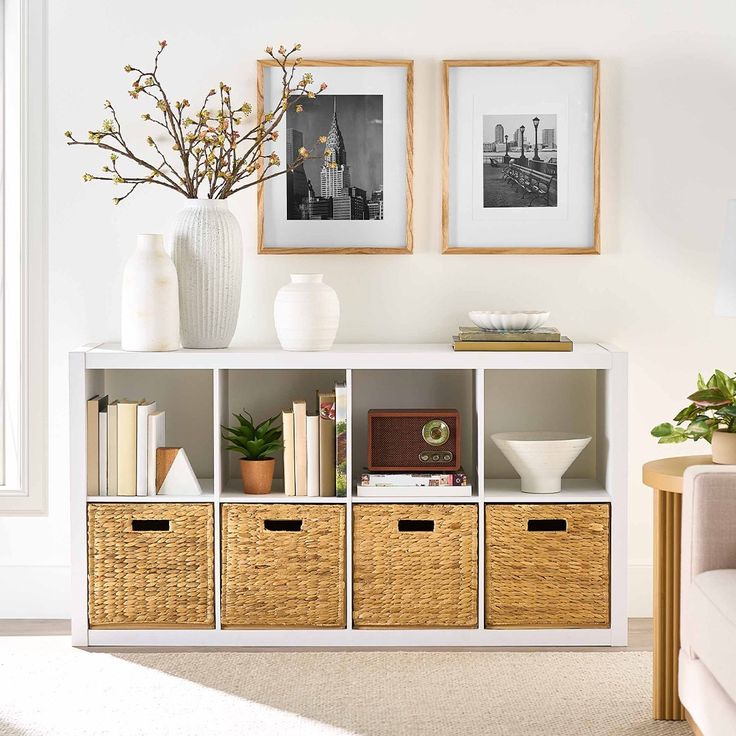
(508, 320)
(540, 458)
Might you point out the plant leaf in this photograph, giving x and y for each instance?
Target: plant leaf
(710, 397)
(662, 430)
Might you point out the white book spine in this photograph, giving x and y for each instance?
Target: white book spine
(102, 445)
(156, 439)
(313, 456)
(141, 466)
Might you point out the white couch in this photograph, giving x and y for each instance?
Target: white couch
(708, 605)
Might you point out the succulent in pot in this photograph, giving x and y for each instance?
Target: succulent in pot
(256, 444)
(711, 416)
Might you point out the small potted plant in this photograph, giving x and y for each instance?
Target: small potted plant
(711, 416)
(256, 445)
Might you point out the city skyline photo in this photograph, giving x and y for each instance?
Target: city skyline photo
(347, 183)
(519, 167)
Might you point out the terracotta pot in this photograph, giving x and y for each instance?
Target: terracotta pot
(257, 475)
(724, 448)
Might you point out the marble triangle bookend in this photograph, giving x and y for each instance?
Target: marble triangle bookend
(174, 473)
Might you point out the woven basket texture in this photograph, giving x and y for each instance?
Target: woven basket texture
(151, 579)
(415, 579)
(543, 579)
(280, 578)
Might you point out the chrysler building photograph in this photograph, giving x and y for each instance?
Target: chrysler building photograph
(347, 182)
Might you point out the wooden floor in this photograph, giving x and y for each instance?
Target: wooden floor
(640, 635)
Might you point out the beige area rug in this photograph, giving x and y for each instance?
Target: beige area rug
(49, 689)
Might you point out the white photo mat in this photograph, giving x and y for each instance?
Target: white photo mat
(569, 92)
(281, 234)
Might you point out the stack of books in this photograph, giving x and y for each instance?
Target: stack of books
(439, 483)
(544, 339)
(315, 445)
(122, 439)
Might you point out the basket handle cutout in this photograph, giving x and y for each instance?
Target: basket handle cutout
(282, 525)
(416, 525)
(150, 525)
(546, 525)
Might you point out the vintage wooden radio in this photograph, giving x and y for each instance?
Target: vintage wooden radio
(413, 439)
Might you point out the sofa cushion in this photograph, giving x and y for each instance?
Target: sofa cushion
(712, 624)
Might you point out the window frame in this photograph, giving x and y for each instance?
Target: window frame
(24, 487)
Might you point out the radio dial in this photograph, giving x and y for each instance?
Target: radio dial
(436, 432)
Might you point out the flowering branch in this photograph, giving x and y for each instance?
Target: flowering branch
(210, 149)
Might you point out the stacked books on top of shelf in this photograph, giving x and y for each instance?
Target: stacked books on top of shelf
(416, 485)
(543, 339)
(127, 453)
(315, 445)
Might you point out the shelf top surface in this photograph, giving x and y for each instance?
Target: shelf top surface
(342, 356)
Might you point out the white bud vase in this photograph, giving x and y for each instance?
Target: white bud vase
(207, 249)
(150, 299)
(306, 313)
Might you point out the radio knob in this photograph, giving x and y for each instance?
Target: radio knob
(435, 457)
(424, 457)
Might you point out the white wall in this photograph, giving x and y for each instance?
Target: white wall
(668, 116)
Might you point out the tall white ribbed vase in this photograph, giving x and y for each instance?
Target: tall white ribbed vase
(149, 314)
(207, 250)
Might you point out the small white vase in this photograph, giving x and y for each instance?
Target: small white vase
(150, 299)
(306, 313)
(540, 458)
(207, 249)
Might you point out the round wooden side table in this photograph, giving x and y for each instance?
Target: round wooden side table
(665, 478)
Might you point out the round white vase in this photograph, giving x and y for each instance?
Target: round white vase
(306, 313)
(207, 250)
(150, 299)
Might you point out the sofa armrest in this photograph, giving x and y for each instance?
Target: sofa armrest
(708, 528)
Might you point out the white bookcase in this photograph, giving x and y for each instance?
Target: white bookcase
(585, 390)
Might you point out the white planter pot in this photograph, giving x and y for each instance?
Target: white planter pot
(540, 458)
(306, 313)
(150, 299)
(207, 250)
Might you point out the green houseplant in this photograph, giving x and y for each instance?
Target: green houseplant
(256, 444)
(711, 416)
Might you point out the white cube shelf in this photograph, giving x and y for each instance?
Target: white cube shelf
(199, 389)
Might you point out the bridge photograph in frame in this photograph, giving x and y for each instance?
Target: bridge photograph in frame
(521, 163)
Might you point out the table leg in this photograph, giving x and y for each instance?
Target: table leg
(667, 526)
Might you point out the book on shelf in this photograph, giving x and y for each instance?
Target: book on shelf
(430, 479)
(155, 438)
(327, 438)
(127, 450)
(145, 408)
(341, 439)
(112, 448)
(287, 424)
(312, 455)
(102, 450)
(299, 408)
(414, 491)
(563, 346)
(540, 334)
(95, 405)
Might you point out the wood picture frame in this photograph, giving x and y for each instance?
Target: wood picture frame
(592, 244)
(406, 230)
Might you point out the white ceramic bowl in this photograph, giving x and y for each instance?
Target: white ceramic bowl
(508, 320)
(540, 458)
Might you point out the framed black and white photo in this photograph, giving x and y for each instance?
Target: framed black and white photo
(521, 168)
(355, 195)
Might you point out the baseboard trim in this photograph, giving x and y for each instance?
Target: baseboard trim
(35, 591)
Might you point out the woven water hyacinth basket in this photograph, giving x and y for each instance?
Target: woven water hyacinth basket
(415, 565)
(547, 566)
(283, 565)
(151, 565)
